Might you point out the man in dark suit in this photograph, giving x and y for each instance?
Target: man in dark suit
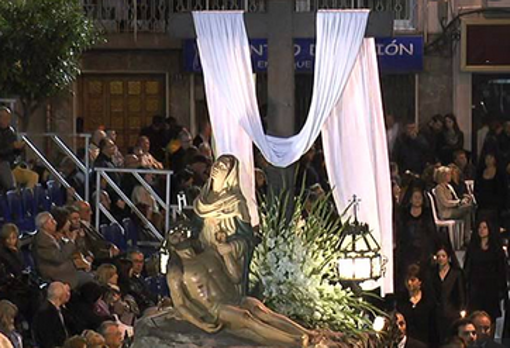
(404, 340)
(50, 329)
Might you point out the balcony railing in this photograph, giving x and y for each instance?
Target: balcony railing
(404, 11)
(152, 15)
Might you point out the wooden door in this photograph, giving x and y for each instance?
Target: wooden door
(125, 103)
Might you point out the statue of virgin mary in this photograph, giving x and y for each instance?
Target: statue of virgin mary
(226, 220)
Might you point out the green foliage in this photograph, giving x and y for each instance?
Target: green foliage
(295, 263)
(40, 43)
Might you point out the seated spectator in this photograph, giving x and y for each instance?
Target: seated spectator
(117, 157)
(50, 327)
(465, 330)
(10, 147)
(404, 340)
(123, 307)
(411, 150)
(94, 147)
(467, 168)
(112, 333)
(458, 184)
(86, 308)
(449, 205)
(10, 255)
(94, 339)
(142, 197)
(54, 256)
(137, 287)
(484, 330)
(104, 160)
(146, 158)
(9, 337)
(91, 241)
(75, 342)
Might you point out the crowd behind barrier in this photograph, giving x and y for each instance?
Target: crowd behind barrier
(451, 221)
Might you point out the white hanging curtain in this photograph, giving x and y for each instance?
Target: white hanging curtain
(230, 90)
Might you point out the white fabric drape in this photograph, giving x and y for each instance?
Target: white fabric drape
(356, 154)
(230, 91)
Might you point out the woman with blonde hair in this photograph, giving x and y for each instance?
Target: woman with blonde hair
(8, 335)
(449, 205)
(106, 274)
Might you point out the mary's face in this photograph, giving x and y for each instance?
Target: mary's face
(220, 170)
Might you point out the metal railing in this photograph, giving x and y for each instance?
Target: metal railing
(117, 16)
(102, 173)
(54, 172)
(405, 11)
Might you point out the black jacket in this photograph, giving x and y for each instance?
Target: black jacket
(49, 331)
(7, 151)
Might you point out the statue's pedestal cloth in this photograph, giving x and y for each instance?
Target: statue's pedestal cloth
(165, 331)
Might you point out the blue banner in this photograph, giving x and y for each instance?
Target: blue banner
(396, 55)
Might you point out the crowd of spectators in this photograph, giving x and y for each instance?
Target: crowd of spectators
(92, 291)
(443, 275)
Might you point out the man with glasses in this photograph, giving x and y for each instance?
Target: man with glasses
(484, 330)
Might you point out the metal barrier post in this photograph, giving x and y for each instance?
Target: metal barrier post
(87, 168)
(167, 210)
(98, 196)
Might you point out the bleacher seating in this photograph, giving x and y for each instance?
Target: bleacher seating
(131, 232)
(18, 213)
(113, 233)
(42, 200)
(55, 192)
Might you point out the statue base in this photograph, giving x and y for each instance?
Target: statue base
(164, 329)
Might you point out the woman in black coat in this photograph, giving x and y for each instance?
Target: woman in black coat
(417, 236)
(485, 267)
(449, 289)
(10, 255)
(417, 305)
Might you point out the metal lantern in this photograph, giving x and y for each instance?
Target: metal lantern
(360, 254)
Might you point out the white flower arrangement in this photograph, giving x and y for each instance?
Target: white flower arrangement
(294, 266)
